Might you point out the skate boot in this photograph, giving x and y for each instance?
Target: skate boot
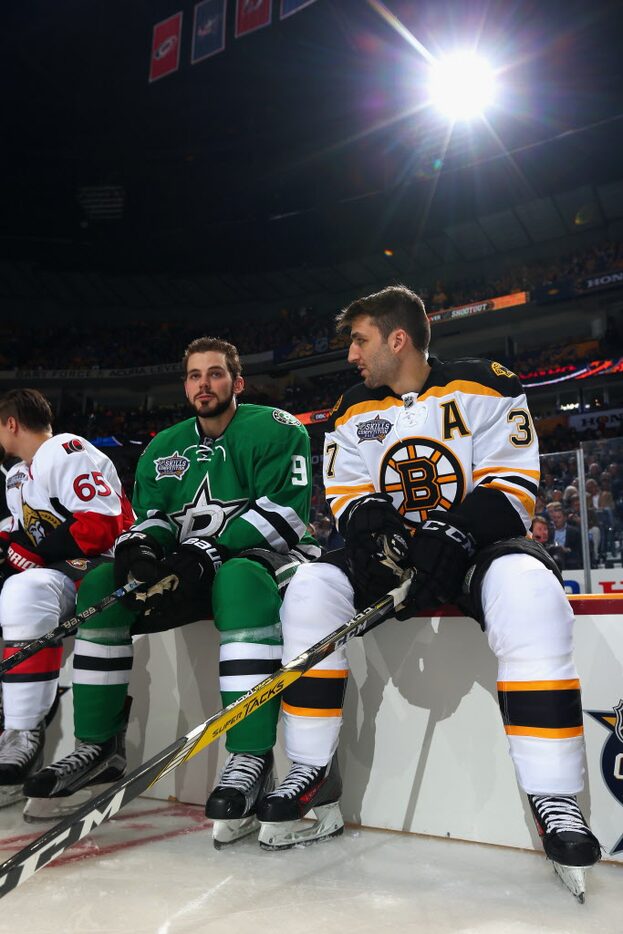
(566, 837)
(64, 786)
(244, 781)
(305, 788)
(21, 754)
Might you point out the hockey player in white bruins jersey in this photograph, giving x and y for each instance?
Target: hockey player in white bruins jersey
(435, 465)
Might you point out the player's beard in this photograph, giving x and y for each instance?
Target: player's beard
(204, 411)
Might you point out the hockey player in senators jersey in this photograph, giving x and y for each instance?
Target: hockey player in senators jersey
(66, 507)
(222, 501)
(434, 466)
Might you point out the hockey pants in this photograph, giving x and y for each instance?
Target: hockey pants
(32, 603)
(245, 606)
(528, 623)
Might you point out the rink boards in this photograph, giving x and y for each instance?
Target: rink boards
(423, 749)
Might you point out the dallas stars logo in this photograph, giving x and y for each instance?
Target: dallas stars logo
(612, 754)
(205, 515)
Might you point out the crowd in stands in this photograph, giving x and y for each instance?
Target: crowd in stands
(558, 518)
(290, 334)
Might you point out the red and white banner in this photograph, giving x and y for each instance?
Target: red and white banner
(252, 15)
(165, 47)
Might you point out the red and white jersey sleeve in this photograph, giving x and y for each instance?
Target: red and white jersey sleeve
(69, 502)
(465, 443)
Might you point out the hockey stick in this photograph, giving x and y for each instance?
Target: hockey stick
(69, 625)
(105, 805)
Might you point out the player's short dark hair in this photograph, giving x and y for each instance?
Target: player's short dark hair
(29, 407)
(207, 344)
(393, 307)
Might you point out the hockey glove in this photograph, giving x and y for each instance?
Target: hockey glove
(137, 557)
(440, 554)
(20, 554)
(377, 546)
(193, 567)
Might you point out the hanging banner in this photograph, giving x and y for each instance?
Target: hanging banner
(477, 308)
(252, 15)
(208, 29)
(288, 7)
(613, 279)
(165, 47)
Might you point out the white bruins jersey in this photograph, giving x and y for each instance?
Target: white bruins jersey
(69, 502)
(465, 443)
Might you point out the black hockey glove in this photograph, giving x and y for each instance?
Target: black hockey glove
(193, 568)
(137, 557)
(377, 547)
(440, 554)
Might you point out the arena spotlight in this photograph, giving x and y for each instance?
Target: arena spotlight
(462, 85)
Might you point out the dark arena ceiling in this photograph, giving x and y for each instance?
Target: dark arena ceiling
(306, 143)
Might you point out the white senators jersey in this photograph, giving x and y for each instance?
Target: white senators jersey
(69, 503)
(465, 443)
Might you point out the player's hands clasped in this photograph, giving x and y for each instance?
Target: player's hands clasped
(188, 573)
(137, 557)
(440, 554)
(377, 546)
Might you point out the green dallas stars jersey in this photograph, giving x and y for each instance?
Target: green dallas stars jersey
(249, 488)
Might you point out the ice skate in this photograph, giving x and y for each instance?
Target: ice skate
(21, 754)
(64, 786)
(232, 805)
(305, 788)
(567, 839)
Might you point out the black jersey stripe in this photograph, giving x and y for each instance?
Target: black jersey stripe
(249, 666)
(528, 485)
(281, 525)
(316, 693)
(94, 663)
(554, 710)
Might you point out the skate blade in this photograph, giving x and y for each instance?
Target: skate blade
(225, 832)
(9, 794)
(284, 835)
(54, 809)
(573, 878)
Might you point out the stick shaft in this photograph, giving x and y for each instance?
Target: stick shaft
(67, 626)
(36, 855)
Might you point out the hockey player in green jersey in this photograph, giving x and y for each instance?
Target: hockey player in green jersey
(222, 502)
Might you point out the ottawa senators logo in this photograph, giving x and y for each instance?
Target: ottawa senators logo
(612, 755)
(73, 446)
(421, 474)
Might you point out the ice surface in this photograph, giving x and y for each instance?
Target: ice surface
(153, 870)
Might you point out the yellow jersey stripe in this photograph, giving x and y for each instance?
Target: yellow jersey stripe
(533, 474)
(357, 488)
(570, 684)
(469, 387)
(311, 711)
(543, 732)
(326, 673)
(526, 500)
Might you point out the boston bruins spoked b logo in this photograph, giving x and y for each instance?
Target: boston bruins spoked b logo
(421, 474)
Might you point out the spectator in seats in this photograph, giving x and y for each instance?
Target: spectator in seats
(326, 533)
(592, 493)
(540, 509)
(566, 536)
(616, 479)
(606, 499)
(594, 534)
(542, 532)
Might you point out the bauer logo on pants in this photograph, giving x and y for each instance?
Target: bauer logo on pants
(612, 755)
